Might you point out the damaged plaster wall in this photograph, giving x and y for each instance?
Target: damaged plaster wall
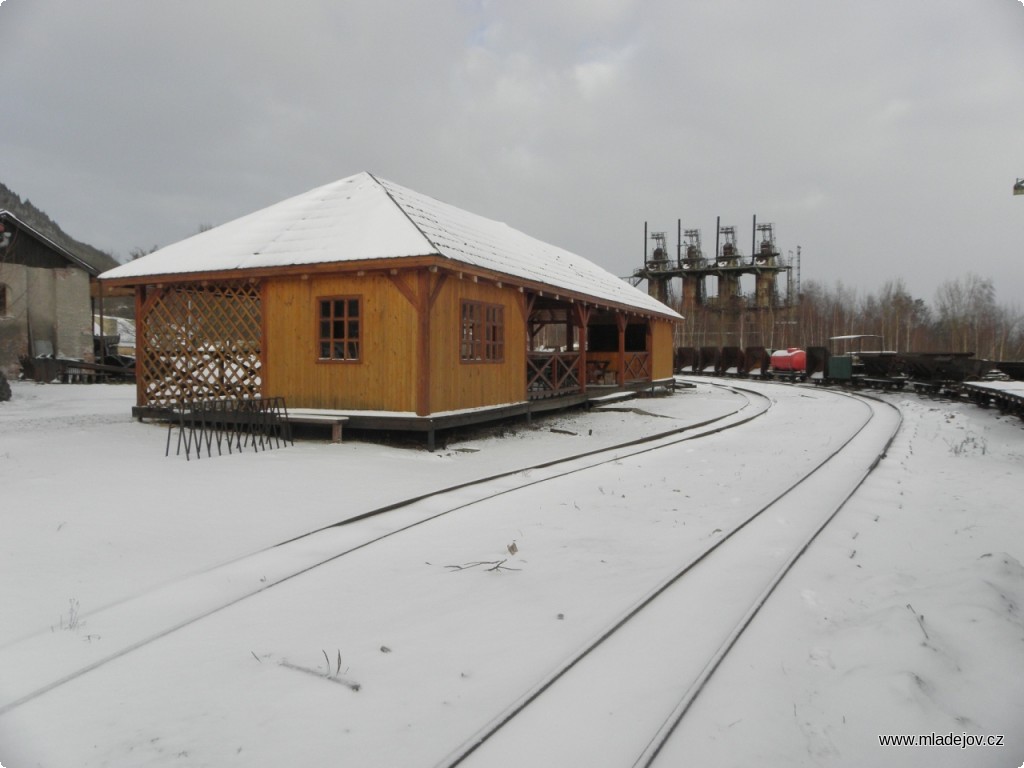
(48, 309)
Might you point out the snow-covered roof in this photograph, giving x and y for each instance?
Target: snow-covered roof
(362, 218)
(48, 242)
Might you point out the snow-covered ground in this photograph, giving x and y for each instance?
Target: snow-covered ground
(903, 618)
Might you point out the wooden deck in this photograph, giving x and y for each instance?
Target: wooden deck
(430, 425)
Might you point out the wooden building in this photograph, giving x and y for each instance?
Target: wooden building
(365, 297)
(45, 304)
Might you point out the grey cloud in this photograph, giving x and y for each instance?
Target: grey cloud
(881, 137)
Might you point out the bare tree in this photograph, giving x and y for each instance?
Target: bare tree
(967, 314)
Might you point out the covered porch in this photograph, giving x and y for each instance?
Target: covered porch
(576, 349)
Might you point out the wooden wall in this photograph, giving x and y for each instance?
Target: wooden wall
(662, 333)
(383, 378)
(387, 375)
(455, 384)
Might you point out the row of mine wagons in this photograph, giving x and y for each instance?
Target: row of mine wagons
(405, 340)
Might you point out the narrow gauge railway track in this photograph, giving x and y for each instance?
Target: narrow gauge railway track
(611, 685)
(134, 623)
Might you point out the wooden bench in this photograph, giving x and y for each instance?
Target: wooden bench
(313, 416)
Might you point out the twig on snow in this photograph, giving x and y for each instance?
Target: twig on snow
(496, 565)
(920, 620)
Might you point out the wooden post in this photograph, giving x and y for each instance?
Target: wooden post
(620, 323)
(649, 347)
(530, 300)
(265, 372)
(423, 348)
(582, 319)
(140, 347)
(103, 330)
(422, 299)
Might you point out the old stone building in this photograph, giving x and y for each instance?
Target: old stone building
(45, 305)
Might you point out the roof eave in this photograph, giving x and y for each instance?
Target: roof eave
(290, 270)
(435, 261)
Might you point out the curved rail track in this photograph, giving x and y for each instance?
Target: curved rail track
(613, 671)
(149, 617)
(140, 621)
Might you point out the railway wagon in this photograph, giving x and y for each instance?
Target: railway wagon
(756, 361)
(1015, 370)
(708, 359)
(723, 361)
(880, 369)
(789, 363)
(730, 361)
(942, 374)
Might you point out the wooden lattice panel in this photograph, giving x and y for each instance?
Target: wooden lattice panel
(201, 342)
(552, 374)
(637, 366)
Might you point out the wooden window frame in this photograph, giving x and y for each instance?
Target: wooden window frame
(481, 332)
(331, 322)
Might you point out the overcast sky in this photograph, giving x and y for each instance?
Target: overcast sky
(883, 137)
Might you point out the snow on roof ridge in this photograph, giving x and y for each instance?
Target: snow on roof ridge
(468, 237)
(321, 225)
(402, 209)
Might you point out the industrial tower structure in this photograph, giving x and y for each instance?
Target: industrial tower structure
(713, 298)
